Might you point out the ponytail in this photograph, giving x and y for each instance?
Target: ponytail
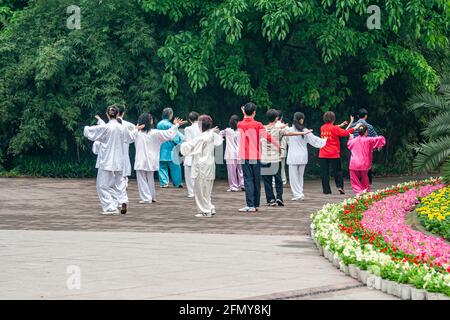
(362, 130)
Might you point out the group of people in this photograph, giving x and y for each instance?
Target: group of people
(253, 152)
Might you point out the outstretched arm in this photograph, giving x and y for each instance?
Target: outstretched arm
(297, 133)
(192, 147)
(96, 133)
(377, 142)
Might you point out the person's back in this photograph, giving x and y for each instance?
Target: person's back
(166, 147)
(203, 163)
(269, 153)
(249, 153)
(361, 149)
(112, 153)
(250, 134)
(148, 145)
(332, 133)
(127, 166)
(232, 139)
(363, 115)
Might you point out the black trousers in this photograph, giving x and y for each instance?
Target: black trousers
(370, 176)
(273, 170)
(252, 182)
(335, 164)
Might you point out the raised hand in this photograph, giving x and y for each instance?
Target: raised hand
(216, 129)
(179, 121)
(343, 124)
(97, 117)
(140, 127)
(352, 118)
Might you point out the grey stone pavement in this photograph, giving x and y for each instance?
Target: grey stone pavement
(51, 227)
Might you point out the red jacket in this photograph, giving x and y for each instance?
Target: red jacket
(333, 147)
(250, 136)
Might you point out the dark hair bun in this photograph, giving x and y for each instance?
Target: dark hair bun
(362, 130)
(113, 111)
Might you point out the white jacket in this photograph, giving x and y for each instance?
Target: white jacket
(113, 137)
(127, 164)
(190, 133)
(298, 147)
(202, 151)
(148, 146)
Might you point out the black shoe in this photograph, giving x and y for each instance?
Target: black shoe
(272, 203)
(124, 208)
(180, 186)
(280, 203)
(327, 193)
(341, 191)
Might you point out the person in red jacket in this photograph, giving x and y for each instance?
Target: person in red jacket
(250, 155)
(330, 155)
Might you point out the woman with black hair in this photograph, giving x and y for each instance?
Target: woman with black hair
(148, 145)
(234, 168)
(112, 136)
(297, 157)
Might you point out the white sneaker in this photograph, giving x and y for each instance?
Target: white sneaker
(144, 201)
(110, 212)
(298, 199)
(203, 215)
(191, 196)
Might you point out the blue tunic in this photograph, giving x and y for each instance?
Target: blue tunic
(167, 147)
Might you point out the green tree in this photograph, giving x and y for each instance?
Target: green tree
(53, 80)
(298, 52)
(435, 151)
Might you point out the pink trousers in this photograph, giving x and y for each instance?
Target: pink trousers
(235, 175)
(359, 181)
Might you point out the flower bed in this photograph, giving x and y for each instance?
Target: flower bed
(434, 212)
(369, 233)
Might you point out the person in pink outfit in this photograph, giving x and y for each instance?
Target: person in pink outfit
(235, 175)
(362, 148)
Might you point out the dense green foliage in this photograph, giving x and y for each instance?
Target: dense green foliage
(213, 56)
(54, 80)
(435, 151)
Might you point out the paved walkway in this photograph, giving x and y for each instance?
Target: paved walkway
(161, 251)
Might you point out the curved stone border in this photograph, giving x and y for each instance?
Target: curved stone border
(400, 290)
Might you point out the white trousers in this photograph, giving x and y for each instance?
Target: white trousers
(296, 173)
(189, 181)
(202, 191)
(283, 170)
(108, 183)
(122, 196)
(146, 185)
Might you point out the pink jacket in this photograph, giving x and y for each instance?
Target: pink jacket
(362, 151)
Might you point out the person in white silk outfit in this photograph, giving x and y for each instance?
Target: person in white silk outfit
(148, 145)
(203, 164)
(112, 137)
(297, 157)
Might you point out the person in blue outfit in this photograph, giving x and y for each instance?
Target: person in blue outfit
(169, 160)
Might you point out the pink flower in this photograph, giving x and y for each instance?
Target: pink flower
(387, 218)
